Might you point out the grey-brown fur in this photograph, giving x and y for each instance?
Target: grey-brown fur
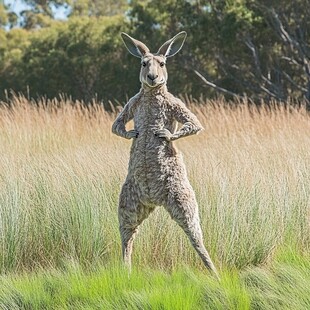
(156, 171)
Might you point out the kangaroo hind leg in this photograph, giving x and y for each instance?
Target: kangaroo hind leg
(131, 213)
(183, 208)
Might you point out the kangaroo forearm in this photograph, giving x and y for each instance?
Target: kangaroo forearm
(119, 129)
(186, 130)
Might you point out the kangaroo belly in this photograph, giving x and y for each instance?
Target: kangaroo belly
(155, 167)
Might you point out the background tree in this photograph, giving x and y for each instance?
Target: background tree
(97, 8)
(257, 48)
(273, 56)
(13, 44)
(40, 13)
(3, 14)
(7, 17)
(81, 58)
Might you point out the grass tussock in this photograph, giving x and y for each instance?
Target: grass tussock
(61, 171)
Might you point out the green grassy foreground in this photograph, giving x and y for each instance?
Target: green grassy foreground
(284, 285)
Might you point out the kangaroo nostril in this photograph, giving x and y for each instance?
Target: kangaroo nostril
(152, 77)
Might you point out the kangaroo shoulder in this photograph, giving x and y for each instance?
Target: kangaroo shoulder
(133, 102)
(174, 102)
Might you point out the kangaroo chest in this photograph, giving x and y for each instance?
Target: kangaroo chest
(151, 114)
(150, 154)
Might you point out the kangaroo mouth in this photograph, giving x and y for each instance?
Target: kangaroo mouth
(153, 84)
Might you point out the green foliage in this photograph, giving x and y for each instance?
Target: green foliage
(7, 17)
(235, 44)
(97, 8)
(3, 15)
(13, 44)
(81, 57)
(39, 13)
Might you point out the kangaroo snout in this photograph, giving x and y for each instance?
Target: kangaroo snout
(152, 77)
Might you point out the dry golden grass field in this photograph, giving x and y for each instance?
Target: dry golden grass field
(61, 170)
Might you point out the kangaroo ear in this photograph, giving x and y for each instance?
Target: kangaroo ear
(172, 46)
(134, 46)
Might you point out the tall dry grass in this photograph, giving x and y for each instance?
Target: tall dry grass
(61, 170)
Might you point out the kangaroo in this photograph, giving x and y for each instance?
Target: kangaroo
(156, 171)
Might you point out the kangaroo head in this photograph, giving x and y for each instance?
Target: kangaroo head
(153, 65)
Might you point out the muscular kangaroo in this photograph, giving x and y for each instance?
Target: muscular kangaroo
(156, 171)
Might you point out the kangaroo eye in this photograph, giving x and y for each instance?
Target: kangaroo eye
(143, 63)
(162, 64)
